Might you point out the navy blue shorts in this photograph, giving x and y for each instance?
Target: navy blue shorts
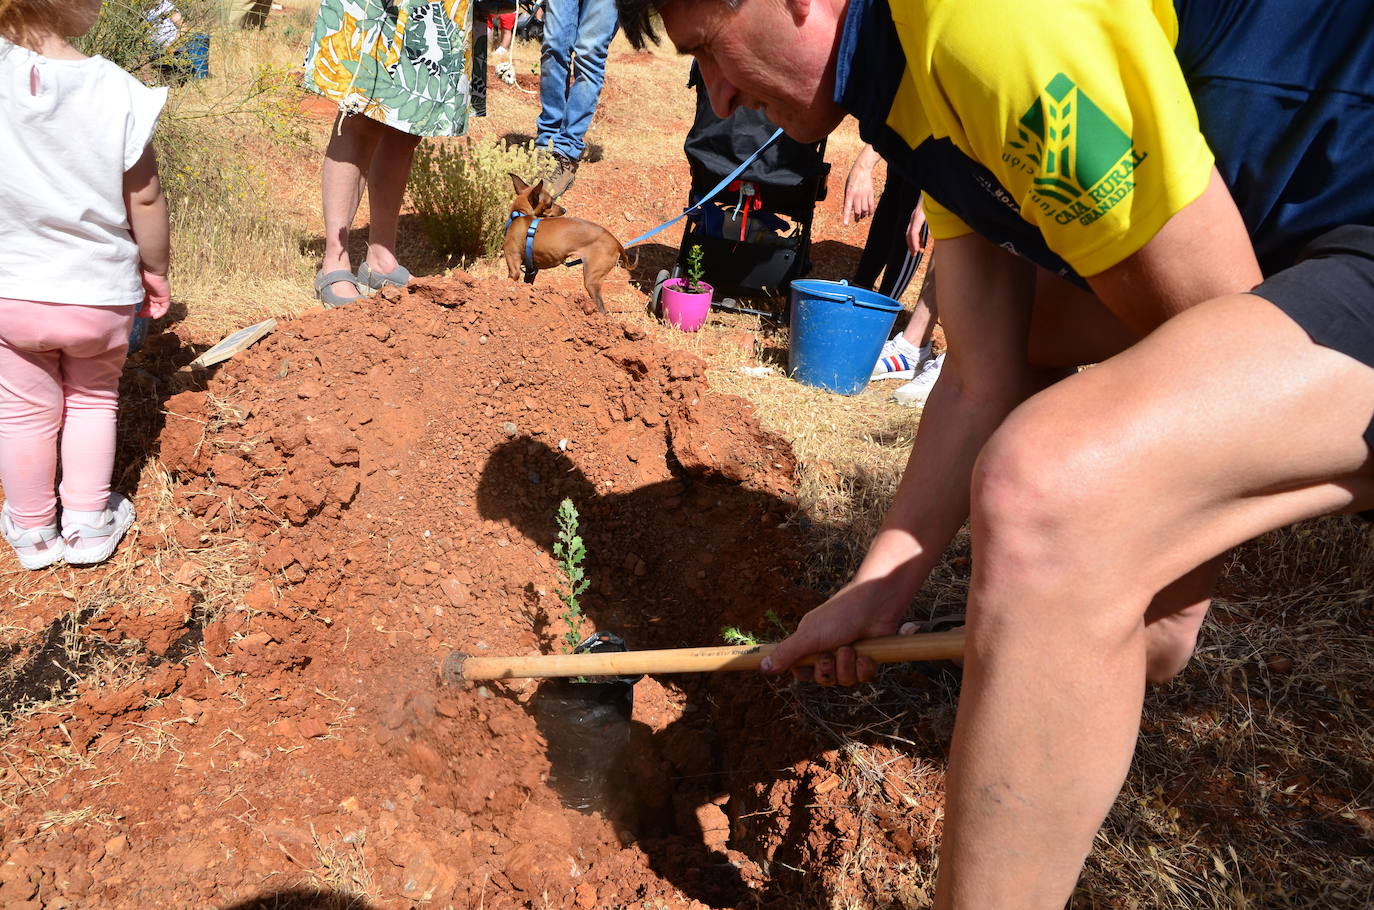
(1330, 293)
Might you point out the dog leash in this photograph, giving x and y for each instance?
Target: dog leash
(707, 198)
(531, 271)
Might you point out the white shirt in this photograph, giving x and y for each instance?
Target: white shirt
(64, 150)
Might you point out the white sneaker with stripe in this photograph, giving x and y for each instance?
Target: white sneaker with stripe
(899, 359)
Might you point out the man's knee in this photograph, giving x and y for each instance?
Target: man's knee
(1036, 488)
(555, 52)
(589, 57)
(1041, 512)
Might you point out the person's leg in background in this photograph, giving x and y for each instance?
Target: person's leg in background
(594, 33)
(250, 13)
(580, 32)
(917, 335)
(56, 360)
(30, 417)
(346, 163)
(386, 186)
(560, 32)
(481, 28)
(907, 355)
(504, 68)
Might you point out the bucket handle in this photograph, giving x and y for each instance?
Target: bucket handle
(827, 295)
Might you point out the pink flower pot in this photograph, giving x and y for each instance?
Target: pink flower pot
(683, 310)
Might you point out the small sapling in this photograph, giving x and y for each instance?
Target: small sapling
(695, 272)
(570, 552)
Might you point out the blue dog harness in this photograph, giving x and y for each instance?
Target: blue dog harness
(529, 251)
(530, 270)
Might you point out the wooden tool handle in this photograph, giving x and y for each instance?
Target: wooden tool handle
(888, 649)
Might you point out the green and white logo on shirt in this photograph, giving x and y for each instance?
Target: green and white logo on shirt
(1080, 162)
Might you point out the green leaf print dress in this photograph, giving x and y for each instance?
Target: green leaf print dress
(404, 63)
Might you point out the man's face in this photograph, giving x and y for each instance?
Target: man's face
(773, 55)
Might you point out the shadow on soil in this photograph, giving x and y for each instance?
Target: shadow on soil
(702, 793)
(303, 899)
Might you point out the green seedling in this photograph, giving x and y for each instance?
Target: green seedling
(737, 636)
(776, 632)
(694, 271)
(570, 552)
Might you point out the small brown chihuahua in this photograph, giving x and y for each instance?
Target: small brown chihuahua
(558, 238)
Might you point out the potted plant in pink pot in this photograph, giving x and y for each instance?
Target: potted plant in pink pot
(687, 301)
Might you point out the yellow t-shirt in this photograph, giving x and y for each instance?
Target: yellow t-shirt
(1077, 107)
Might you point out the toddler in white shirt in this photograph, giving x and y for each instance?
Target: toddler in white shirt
(83, 245)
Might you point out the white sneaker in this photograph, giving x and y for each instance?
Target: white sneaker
(918, 389)
(899, 359)
(92, 536)
(37, 548)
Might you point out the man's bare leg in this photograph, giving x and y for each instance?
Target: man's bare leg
(1093, 497)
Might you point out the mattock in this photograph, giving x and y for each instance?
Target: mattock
(459, 668)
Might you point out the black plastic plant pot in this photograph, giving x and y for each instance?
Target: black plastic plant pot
(586, 723)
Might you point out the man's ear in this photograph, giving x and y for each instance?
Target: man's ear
(800, 10)
(520, 185)
(555, 210)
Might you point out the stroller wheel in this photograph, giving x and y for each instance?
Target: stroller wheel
(655, 301)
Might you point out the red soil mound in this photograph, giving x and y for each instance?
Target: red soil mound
(395, 468)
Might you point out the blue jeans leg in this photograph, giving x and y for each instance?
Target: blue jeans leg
(560, 31)
(577, 35)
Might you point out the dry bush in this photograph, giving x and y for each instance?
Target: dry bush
(124, 36)
(220, 202)
(217, 140)
(461, 192)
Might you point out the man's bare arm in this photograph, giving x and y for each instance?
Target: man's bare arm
(1202, 252)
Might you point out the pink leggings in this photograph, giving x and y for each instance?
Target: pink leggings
(59, 370)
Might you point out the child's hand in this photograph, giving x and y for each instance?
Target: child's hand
(157, 295)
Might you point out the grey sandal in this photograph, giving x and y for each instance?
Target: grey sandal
(398, 276)
(327, 296)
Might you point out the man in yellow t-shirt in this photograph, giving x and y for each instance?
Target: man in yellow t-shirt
(1193, 179)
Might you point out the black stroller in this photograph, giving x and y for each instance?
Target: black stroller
(529, 24)
(755, 235)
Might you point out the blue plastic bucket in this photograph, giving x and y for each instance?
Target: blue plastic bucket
(197, 50)
(837, 333)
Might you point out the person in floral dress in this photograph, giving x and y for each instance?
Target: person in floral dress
(399, 70)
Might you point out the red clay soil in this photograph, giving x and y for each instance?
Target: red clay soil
(395, 468)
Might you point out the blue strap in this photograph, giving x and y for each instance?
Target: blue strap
(704, 199)
(529, 249)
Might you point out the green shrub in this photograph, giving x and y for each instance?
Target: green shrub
(461, 192)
